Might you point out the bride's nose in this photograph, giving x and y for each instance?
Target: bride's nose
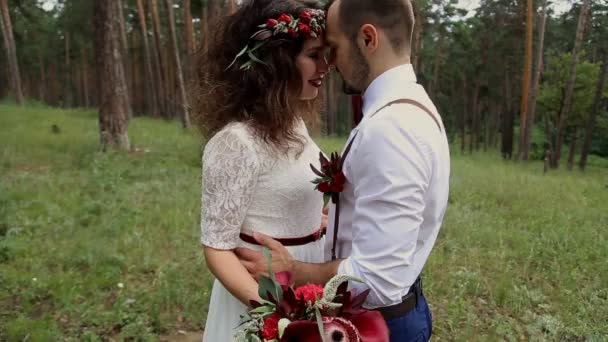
(323, 66)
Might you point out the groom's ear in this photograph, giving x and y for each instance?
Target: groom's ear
(369, 37)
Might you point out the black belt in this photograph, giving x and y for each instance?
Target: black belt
(408, 302)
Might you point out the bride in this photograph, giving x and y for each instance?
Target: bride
(256, 86)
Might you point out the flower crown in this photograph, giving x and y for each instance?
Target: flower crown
(310, 24)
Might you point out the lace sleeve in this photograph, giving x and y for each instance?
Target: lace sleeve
(230, 174)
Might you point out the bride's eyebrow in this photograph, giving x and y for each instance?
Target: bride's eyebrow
(315, 48)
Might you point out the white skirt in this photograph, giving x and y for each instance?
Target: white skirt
(225, 310)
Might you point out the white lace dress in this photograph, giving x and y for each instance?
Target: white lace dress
(248, 187)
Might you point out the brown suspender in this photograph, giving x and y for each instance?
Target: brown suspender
(336, 199)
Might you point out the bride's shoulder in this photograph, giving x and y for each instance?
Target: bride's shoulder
(233, 136)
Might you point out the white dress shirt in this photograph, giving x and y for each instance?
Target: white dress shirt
(396, 192)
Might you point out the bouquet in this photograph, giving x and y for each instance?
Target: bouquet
(310, 313)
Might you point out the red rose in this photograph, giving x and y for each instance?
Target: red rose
(309, 293)
(337, 188)
(292, 33)
(271, 23)
(285, 18)
(339, 179)
(271, 327)
(324, 187)
(306, 17)
(305, 29)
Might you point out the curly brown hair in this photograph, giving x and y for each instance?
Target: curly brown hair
(265, 96)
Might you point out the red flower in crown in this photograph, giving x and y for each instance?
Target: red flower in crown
(306, 17)
(284, 18)
(305, 29)
(292, 33)
(271, 23)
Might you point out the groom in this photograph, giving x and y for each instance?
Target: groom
(397, 171)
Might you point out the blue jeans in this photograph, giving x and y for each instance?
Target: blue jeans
(415, 326)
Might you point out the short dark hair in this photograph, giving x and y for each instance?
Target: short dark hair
(395, 17)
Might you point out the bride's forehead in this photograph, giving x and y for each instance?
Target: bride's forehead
(314, 43)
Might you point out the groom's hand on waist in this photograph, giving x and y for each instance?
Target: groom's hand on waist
(255, 262)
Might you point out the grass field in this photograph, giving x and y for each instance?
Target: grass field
(96, 246)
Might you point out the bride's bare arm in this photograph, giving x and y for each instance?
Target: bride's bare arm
(232, 274)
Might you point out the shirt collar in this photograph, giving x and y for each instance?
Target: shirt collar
(387, 87)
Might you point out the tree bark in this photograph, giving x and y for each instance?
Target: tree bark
(11, 52)
(160, 63)
(535, 84)
(463, 126)
(113, 106)
(436, 67)
(85, 78)
(592, 115)
(572, 152)
(474, 142)
(189, 39)
(152, 101)
(204, 25)
(139, 89)
(68, 96)
(526, 81)
(565, 111)
(125, 53)
(42, 93)
(150, 82)
(507, 120)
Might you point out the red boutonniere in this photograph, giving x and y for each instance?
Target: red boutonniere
(331, 179)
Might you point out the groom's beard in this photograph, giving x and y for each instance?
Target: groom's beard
(349, 90)
(360, 73)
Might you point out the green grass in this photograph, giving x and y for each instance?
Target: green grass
(521, 256)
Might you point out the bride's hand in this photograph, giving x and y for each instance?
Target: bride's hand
(255, 262)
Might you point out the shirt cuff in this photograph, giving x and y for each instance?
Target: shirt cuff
(346, 268)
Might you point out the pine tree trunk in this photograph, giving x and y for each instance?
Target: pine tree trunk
(160, 63)
(594, 111)
(474, 143)
(565, 111)
(526, 81)
(463, 127)
(189, 39)
(535, 84)
(114, 103)
(204, 25)
(438, 60)
(85, 78)
(42, 92)
(508, 120)
(125, 56)
(68, 96)
(52, 84)
(572, 152)
(136, 72)
(170, 86)
(150, 82)
(11, 52)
